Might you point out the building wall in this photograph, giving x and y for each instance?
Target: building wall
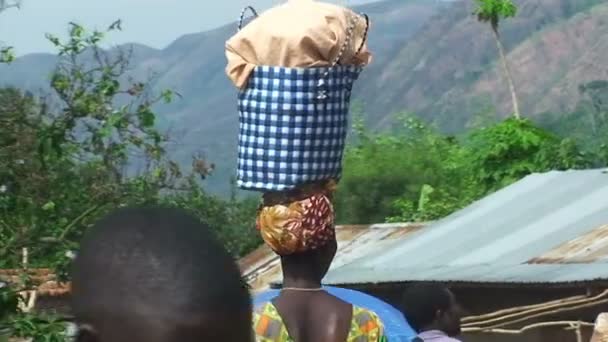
(537, 335)
(59, 305)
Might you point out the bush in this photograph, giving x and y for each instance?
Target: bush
(419, 174)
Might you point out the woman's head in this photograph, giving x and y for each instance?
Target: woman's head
(298, 226)
(310, 265)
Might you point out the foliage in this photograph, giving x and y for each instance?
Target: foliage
(491, 11)
(380, 169)
(89, 148)
(38, 328)
(62, 164)
(418, 174)
(596, 95)
(432, 204)
(9, 301)
(233, 221)
(6, 52)
(587, 123)
(506, 152)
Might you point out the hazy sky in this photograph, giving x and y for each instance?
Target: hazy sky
(152, 22)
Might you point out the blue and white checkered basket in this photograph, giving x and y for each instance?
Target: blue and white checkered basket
(293, 124)
(288, 134)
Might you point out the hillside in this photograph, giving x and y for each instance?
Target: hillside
(450, 66)
(570, 53)
(431, 58)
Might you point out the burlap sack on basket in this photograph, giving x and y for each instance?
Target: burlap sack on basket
(295, 66)
(600, 331)
(298, 34)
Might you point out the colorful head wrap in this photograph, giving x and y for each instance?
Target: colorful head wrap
(298, 223)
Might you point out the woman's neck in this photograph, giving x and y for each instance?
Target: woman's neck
(299, 283)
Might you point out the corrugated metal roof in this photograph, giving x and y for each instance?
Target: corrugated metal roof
(262, 266)
(546, 228)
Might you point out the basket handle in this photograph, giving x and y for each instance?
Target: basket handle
(242, 16)
(364, 33)
(322, 91)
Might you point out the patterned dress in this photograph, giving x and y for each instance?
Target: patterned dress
(268, 326)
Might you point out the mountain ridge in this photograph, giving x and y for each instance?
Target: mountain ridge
(430, 57)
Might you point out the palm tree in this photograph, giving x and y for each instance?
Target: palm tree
(492, 11)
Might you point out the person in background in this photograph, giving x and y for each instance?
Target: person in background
(157, 275)
(433, 312)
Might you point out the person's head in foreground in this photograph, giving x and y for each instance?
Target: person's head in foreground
(432, 310)
(302, 232)
(157, 275)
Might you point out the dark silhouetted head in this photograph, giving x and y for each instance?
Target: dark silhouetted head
(432, 307)
(157, 275)
(311, 265)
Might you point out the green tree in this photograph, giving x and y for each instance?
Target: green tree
(6, 52)
(233, 221)
(415, 173)
(88, 148)
(39, 328)
(380, 169)
(492, 12)
(508, 151)
(65, 161)
(597, 94)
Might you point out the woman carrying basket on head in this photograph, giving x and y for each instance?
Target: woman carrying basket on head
(294, 66)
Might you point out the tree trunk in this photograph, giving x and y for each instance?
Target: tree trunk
(505, 66)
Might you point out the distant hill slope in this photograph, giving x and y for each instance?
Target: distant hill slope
(551, 64)
(450, 65)
(430, 57)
